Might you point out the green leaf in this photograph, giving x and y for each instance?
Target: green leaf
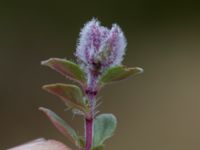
(100, 147)
(104, 126)
(62, 126)
(118, 73)
(66, 68)
(70, 94)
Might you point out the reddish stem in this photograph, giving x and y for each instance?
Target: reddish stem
(89, 133)
(89, 122)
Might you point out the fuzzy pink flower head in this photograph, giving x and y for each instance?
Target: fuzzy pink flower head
(100, 46)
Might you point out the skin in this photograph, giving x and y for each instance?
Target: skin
(42, 144)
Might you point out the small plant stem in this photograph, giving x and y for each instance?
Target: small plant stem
(89, 123)
(91, 93)
(89, 133)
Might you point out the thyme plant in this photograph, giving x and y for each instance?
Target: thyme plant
(99, 54)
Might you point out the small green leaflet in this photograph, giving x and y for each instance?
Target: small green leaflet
(118, 73)
(104, 127)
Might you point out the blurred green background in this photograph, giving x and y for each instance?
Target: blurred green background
(158, 110)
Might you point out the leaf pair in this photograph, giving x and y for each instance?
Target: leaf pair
(72, 71)
(104, 127)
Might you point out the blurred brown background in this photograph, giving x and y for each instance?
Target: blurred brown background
(158, 110)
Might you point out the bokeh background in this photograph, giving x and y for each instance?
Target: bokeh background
(158, 110)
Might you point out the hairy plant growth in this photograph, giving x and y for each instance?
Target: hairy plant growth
(99, 54)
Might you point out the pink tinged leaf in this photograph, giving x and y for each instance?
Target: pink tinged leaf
(62, 126)
(66, 68)
(70, 94)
